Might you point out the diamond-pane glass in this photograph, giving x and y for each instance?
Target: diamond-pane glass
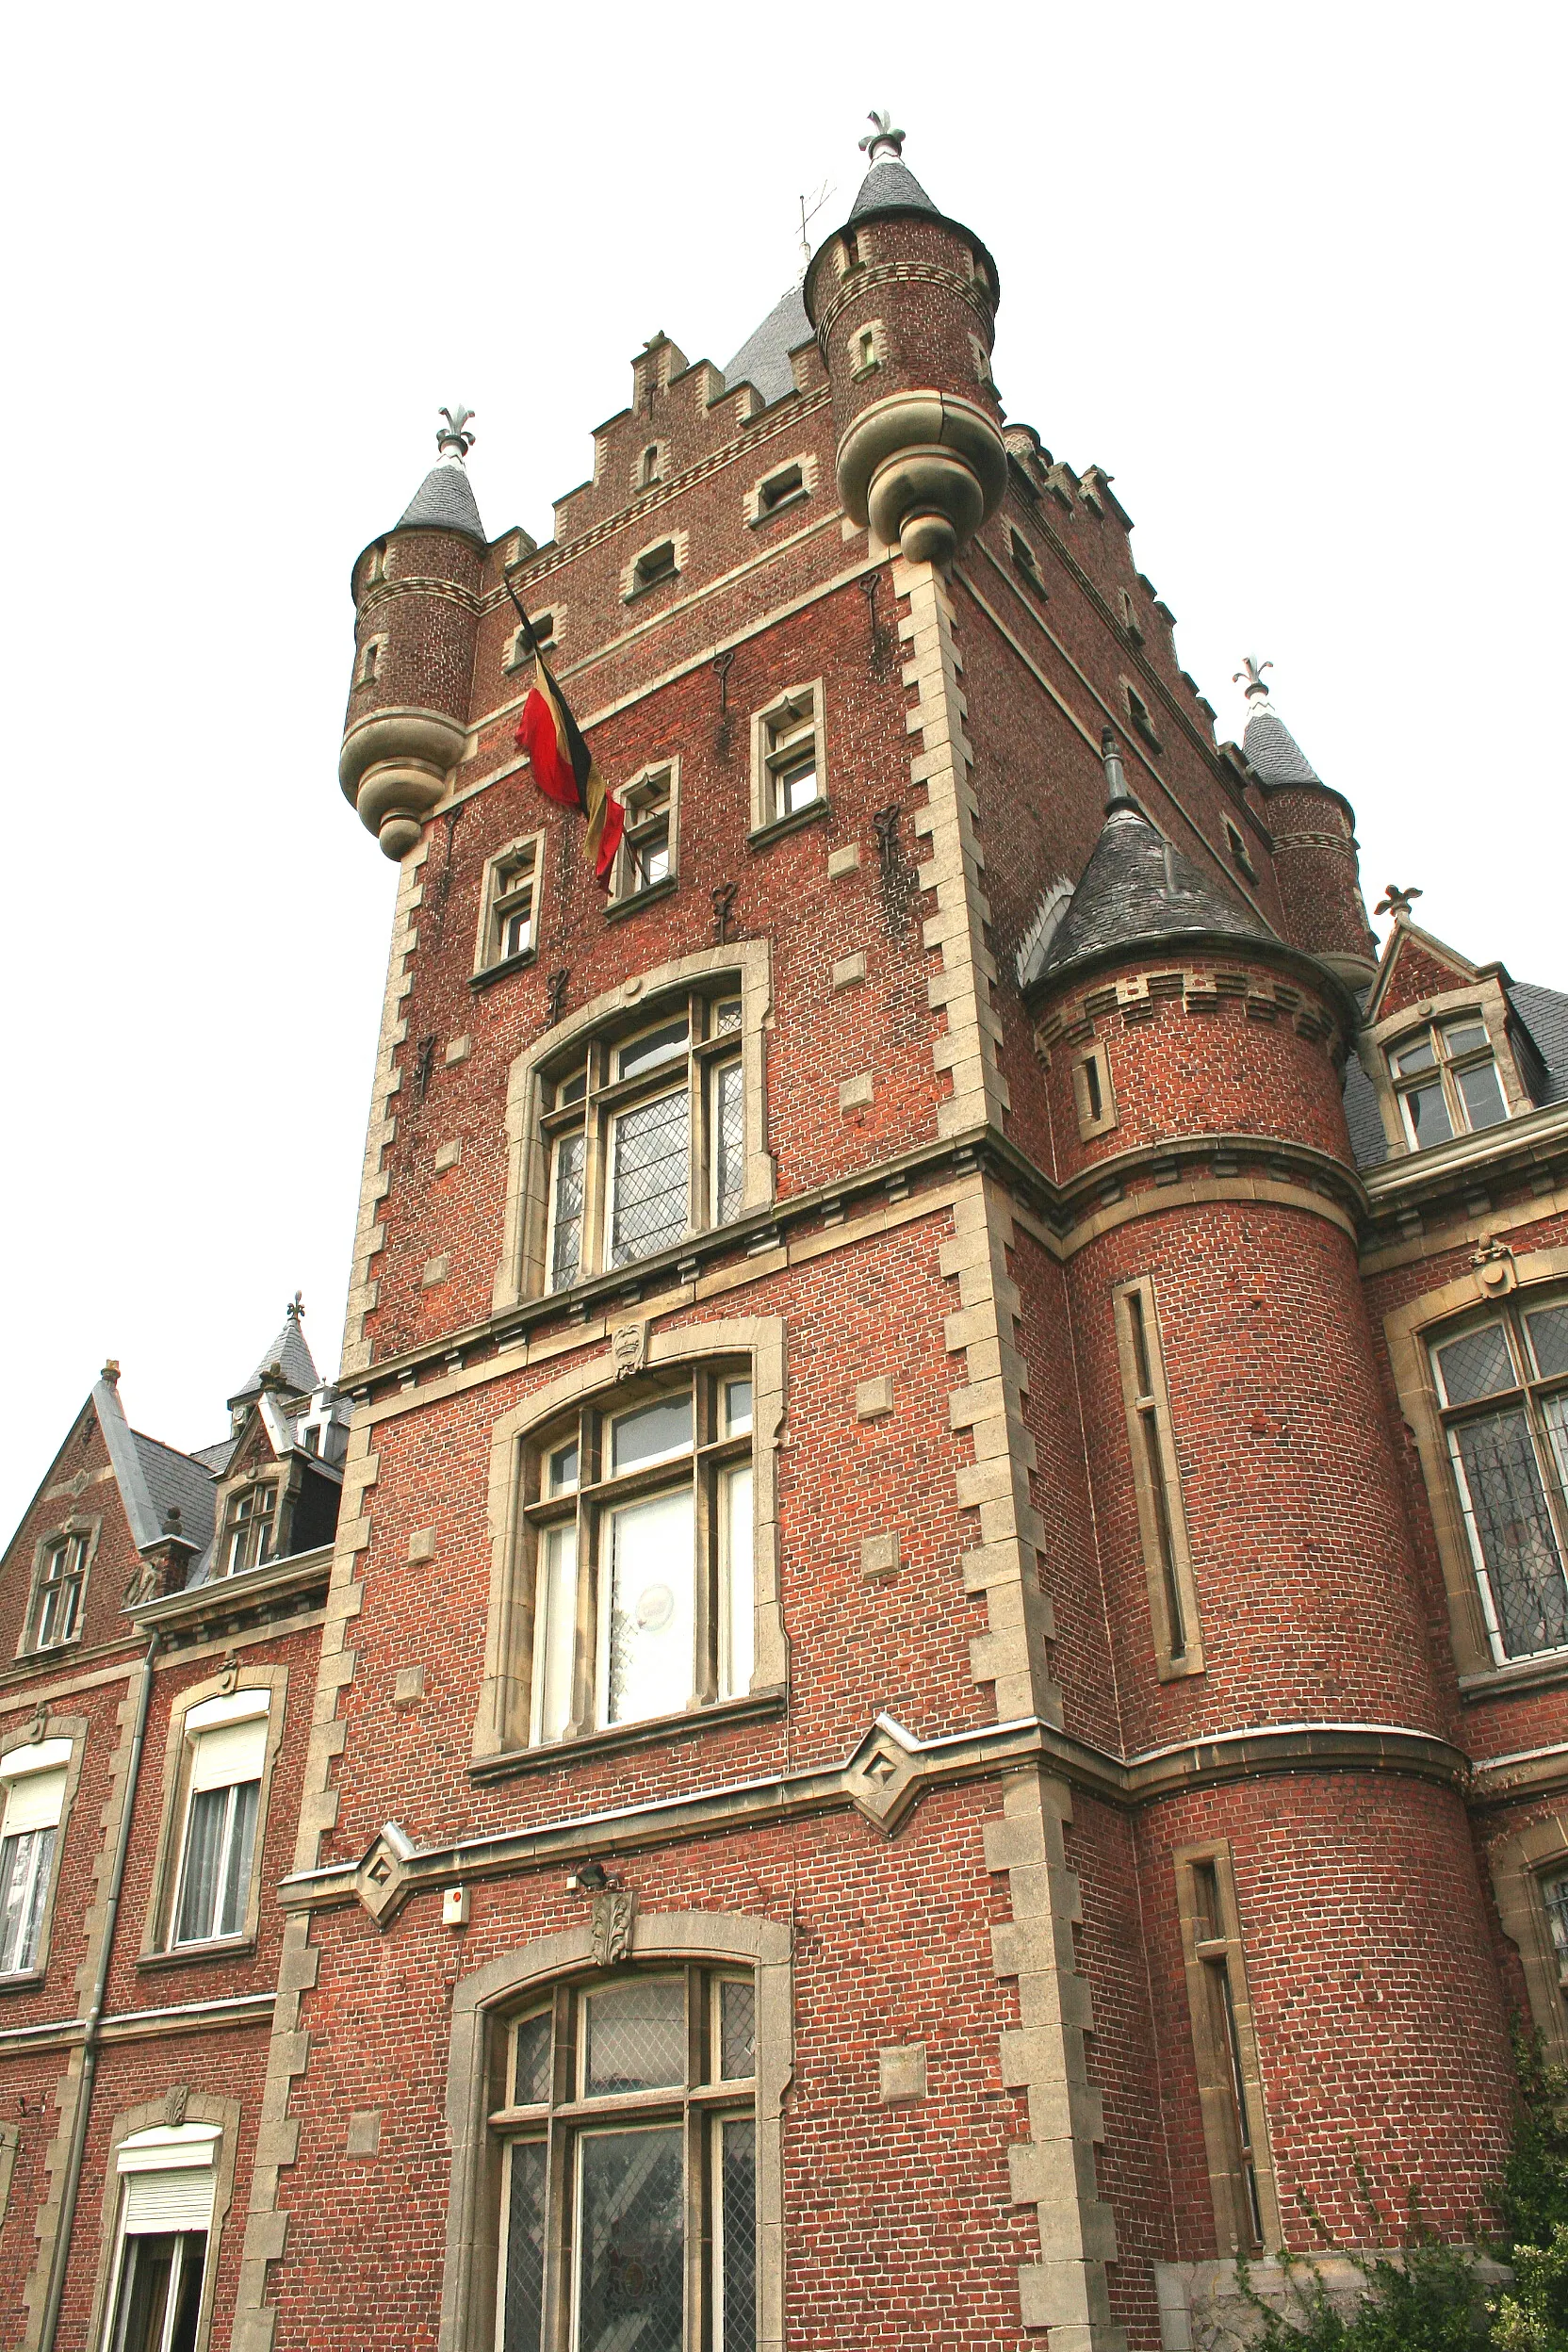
(729, 1143)
(532, 2078)
(566, 1247)
(738, 2213)
(631, 2249)
(523, 2324)
(636, 2036)
(1477, 1366)
(1549, 1338)
(652, 1155)
(1506, 1508)
(737, 2033)
(727, 1016)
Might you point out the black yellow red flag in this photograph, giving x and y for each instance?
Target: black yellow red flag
(562, 765)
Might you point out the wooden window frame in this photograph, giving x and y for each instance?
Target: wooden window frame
(74, 1729)
(776, 730)
(502, 884)
(1447, 1069)
(158, 1948)
(81, 1536)
(1174, 1611)
(642, 816)
(1225, 2052)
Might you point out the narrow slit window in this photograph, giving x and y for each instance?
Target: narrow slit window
(1156, 1480)
(1229, 2078)
(791, 759)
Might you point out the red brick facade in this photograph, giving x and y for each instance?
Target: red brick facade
(1097, 1936)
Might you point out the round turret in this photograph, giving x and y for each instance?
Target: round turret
(1316, 859)
(415, 594)
(904, 304)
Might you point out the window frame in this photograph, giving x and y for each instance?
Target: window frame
(862, 362)
(1234, 2109)
(778, 733)
(1091, 1079)
(650, 798)
(57, 1729)
(1448, 1069)
(1510, 1312)
(237, 1525)
(517, 653)
(1140, 717)
(1163, 1535)
(486, 2005)
(200, 2107)
(76, 1537)
(160, 1922)
(635, 580)
(1483, 999)
(502, 884)
(761, 509)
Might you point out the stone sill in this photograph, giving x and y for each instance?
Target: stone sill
(194, 1955)
(22, 1980)
(1520, 1674)
(813, 813)
(621, 1738)
(616, 909)
(796, 498)
(504, 969)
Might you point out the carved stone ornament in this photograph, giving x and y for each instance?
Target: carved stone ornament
(613, 1913)
(228, 1673)
(1495, 1268)
(38, 1727)
(174, 2106)
(628, 1349)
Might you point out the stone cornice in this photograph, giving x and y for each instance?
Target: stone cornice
(135, 2025)
(255, 1592)
(1515, 1148)
(884, 1779)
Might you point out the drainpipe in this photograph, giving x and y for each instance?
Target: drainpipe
(92, 2024)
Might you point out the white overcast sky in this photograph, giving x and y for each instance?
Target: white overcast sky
(1293, 275)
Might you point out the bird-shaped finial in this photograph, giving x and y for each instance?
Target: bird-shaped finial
(882, 139)
(454, 439)
(1394, 901)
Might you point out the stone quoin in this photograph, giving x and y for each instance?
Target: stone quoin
(913, 1686)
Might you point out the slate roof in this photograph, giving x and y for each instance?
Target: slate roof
(215, 1458)
(1545, 1014)
(764, 358)
(444, 501)
(1138, 886)
(290, 1349)
(890, 187)
(1275, 752)
(171, 1478)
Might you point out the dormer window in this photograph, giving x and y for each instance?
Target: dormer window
(57, 1605)
(250, 1527)
(1445, 1078)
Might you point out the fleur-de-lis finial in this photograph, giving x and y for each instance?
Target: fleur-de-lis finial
(1252, 670)
(454, 439)
(881, 140)
(1394, 901)
(297, 1306)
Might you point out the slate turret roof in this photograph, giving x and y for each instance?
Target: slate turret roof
(889, 186)
(1274, 751)
(290, 1351)
(445, 501)
(764, 358)
(1137, 887)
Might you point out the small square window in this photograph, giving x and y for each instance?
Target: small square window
(658, 564)
(518, 655)
(789, 482)
(1240, 856)
(865, 349)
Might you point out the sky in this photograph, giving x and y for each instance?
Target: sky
(1292, 275)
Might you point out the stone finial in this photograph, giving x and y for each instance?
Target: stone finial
(456, 440)
(296, 1308)
(1397, 902)
(1117, 793)
(173, 1521)
(882, 139)
(1254, 690)
(112, 1371)
(271, 1377)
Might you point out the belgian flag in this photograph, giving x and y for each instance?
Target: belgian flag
(562, 765)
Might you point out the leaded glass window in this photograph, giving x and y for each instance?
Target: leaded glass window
(628, 2144)
(638, 1556)
(1554, 1894)
(1503, 1385)
(645, 1133)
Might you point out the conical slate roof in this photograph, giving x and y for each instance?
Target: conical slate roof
(764, 358)
(1136, 888)
(290, 1351)
(444, 501)
(889, 186)
(1274, 751)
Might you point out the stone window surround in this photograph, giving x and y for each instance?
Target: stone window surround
(855, 341)
(74, 1728)
(1090, 1121)
(1213, 2065)
(848, 255)
(483, 2004)
(1485, 997)
(491, 891)
(500, 1725)
(632, 587)
(76, 1525)
(515, 656)
(367, 667)
(619, 896)
(757, 511)
(1025, 561)
(1167, 1667)
(1408, 1333)
(1133, 700)
(157, 1925)
(200, 2107)
(10, 2140)
(1519, 1864)
(764, 817)
(646, 476)
(520, 1274)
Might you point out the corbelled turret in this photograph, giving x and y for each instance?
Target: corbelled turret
(1315, 841)
(903, 301)
(415, 592)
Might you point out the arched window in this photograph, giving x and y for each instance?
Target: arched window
(627, 2124)
(637, 1527)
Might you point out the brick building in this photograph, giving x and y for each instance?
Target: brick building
(912, 1687)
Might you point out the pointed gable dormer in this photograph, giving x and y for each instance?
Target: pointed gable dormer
(1445, 1045)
